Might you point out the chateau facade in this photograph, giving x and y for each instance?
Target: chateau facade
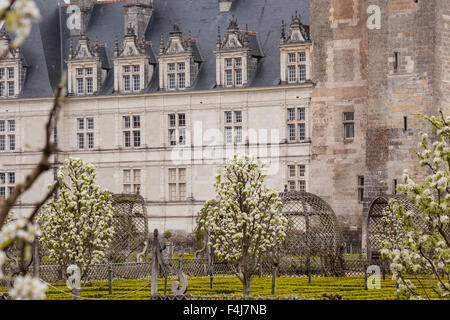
(160, 93)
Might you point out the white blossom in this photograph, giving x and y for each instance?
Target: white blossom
(21, 18)
(415, 244)
(28, 288)
(77, 226)
(244, 221)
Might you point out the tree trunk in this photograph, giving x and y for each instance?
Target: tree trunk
(247, 281)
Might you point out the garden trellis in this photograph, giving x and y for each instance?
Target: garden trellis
(131, 228)
(375, 225)
(314, 241)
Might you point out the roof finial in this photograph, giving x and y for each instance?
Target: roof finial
(71, 49)
(246, 35)
(219, 37)
(116, 46)
(283, 33)
(161, 44)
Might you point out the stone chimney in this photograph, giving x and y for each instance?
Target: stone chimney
(137, 15)
(85, 8)
(225, 5)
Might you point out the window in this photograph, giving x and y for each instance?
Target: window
(228, 135)
(80, 86)
(84, 81)
(131, 73)
(361, 188)
(7, 88)
(238, 74)
(301, 56)
(85, 134)
(176, 76)
(131, 122)
(292, 74)
(405, 123)
(349, 125)
(238, 116)
(177, 130)
(302, 185)
(10, 88)
(177, 184)
(181, 81)
(291, 132)
(291, 114)
(7, 182)
(302, 73)
(301, 132)
(233, 72)
(7, 135)
(395, 186)
(131, 181)
(296, 67)
(396, 61)
(126, 83)
(301, 170)
(296, 177)
(296, 124)
(291, 171)
(301, 113)
(171, 81)
(228, 117)
(89, 85)
(229, 78)
(136, 83)
(238, 134)
(172, 120)
(291, 58)
(233, 127)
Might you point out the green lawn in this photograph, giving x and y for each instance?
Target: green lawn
(351, 288)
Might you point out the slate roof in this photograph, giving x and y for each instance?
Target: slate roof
(48, 44)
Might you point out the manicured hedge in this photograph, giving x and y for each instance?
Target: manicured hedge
(351, 288)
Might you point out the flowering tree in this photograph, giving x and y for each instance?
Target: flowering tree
(421, 244)
(244, 221)
(77, 226)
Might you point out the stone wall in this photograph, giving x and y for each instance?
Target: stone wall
(339, 71)
(386, 76)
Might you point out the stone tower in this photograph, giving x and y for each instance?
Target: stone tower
(389, 78)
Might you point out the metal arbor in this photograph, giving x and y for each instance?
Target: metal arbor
(130, 228)
(314, 240)
(375, 226)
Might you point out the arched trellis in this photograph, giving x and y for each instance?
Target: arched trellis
(130, 228)
(375, 227)
(313, 234)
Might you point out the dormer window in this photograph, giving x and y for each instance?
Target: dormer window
(85, 81)
(133, 64)
(237, 56)
(179, 61)
(295, 52)
(296, 67)
(12, 69)
(87, 67)
(233, 72)
(131, 78)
